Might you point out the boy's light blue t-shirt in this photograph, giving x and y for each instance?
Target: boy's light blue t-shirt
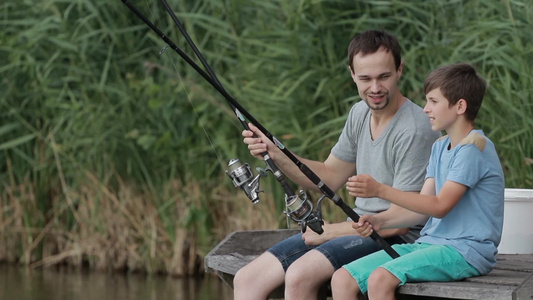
(474, 225)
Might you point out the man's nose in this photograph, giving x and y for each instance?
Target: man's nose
(375, 86)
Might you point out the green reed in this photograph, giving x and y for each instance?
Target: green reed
(113, 151)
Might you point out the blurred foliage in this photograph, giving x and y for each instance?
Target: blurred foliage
(90, 102)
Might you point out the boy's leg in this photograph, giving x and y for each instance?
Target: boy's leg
(382, 285)
(306, 275)
(429, 263)
(344, 286)
(417, 262)
(362, 268)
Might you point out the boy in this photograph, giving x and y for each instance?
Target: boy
(462, 200)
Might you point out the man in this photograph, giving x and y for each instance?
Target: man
(385, 135)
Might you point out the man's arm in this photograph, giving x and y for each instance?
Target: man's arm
(333, 171)
(335, 230)
(397, 217)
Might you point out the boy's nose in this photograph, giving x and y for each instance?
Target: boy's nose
(426, 108)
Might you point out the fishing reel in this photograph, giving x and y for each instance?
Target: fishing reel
(300, 209)
(243, 178)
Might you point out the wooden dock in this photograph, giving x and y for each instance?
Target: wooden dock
(512, 278)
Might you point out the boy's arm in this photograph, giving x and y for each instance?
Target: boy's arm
(394, 217)
(426, 202)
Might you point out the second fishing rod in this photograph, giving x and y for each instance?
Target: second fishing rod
(240, 173)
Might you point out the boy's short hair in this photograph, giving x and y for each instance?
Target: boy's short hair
(371, 41)
(458, 81)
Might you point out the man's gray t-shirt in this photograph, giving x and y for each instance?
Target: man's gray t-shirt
(398, 157)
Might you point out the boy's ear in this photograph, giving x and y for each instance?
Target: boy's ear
(461, 106)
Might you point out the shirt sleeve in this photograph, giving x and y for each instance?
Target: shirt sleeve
(467, 166)
(411, 156)
(346, 147)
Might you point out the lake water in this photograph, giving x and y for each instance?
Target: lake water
(18, 283)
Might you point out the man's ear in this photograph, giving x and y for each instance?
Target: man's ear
(352, 73)
(400, 70)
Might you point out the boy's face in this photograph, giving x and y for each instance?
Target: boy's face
(376, 78)
(441, 114)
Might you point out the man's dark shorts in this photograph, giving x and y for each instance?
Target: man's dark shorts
(339, 251)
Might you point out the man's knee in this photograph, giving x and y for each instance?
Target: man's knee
(296, 275)
(241, 278)
(311, 269)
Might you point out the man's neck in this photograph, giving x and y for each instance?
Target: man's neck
(381, 118)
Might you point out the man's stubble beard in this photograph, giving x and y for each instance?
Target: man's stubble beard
(380, 106)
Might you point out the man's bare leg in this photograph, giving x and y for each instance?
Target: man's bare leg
(306, 275)
(259, 278)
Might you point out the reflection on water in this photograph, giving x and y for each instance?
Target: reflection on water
(17, 283)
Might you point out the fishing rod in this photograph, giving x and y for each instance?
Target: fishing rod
(299, 207)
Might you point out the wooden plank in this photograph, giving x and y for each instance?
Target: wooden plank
(252, 242)
(525, 290)
(239, 248)
(511, 278)
(515, 262)
(229, 263)
(457, 290)
(500, 277)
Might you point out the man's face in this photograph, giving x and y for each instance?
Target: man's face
(376, 78)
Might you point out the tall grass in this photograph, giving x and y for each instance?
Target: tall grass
(113, 151)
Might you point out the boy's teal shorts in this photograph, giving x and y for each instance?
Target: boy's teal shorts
(418, 262)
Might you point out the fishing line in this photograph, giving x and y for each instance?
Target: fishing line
(194, 108)
(162, 54)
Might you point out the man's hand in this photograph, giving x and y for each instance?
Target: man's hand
(312, 238)
(331, 231)
(363, 186)
(258, 144)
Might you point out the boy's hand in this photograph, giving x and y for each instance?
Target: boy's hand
(364, 226)
(362, 186)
